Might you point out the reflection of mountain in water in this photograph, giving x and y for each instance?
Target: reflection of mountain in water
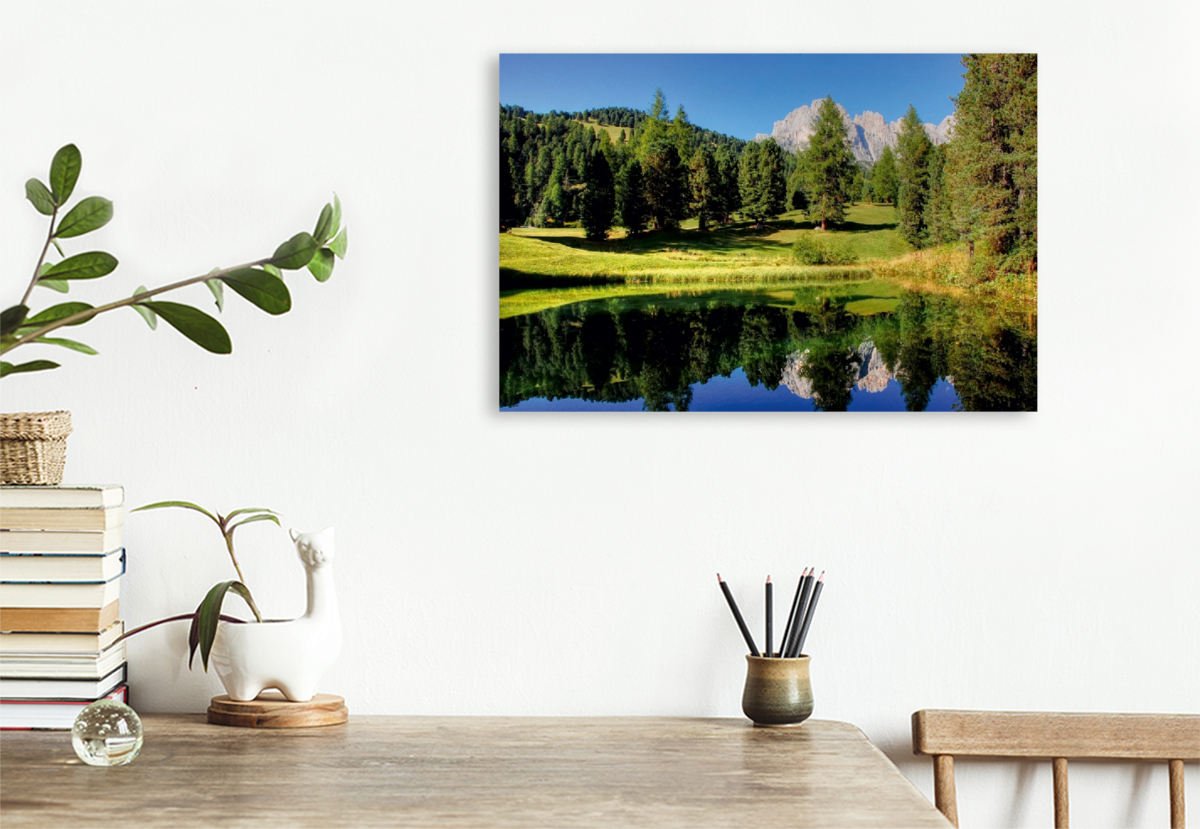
(873, 374)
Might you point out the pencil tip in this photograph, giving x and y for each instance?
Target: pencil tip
(719, 577)
(768, 579)
(822, 576)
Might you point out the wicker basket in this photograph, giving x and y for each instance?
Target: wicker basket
(33, 447)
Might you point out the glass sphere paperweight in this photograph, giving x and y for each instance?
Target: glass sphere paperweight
(107, 733)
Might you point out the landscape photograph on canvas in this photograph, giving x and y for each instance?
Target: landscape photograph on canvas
(768, 232)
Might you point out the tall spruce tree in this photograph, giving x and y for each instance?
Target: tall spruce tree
(729, 199)
(632, 208)
(883, 177)
(828, 167)
(682, 134)
(704, 180)
(665, 185)
(940, 225)
(761, 180)
(991, 166)
(653, 129)
(913, 149)
(599, 197)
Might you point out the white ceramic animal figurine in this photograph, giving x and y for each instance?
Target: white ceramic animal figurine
(289, 655)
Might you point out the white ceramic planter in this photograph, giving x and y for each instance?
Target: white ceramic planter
(290, 655)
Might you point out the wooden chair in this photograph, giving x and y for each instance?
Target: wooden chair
(945, 735)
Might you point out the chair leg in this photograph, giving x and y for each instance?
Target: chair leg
(1062, 817)
(943, 787)
(1178, 821)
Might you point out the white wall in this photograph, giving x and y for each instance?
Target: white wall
(564, 565)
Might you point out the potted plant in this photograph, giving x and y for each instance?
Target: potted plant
(33, 444)
(249, 657)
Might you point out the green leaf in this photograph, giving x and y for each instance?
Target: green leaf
(245, 510)
(36, 365)
(338, 245)
(337, 214)
(60, 285)
(71, 344)
(56, 312)
(64, 172)
(89, 265)
(324, 228)
(252, 519)
(39, 195)
(261, 288)
(149, 316)
(11, 319)
(295, 253)
(182, 504)
(218, 292)
(194, 324)
(91, 213)
(208, 615)
(271, 269)
(322, 264)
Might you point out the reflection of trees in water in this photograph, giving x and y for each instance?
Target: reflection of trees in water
(607, 351)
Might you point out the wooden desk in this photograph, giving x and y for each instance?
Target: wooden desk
(466, 771)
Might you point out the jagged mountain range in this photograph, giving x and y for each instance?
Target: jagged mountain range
(868, 132)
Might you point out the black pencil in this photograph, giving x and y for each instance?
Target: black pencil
(808, 616)
(791, 622)
(737, 615)
(770, 613)
(789, 647)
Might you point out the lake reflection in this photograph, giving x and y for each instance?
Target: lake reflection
(857, 347)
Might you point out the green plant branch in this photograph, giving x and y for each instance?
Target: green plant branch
(178, 618)
(37, 269)
(83, 316)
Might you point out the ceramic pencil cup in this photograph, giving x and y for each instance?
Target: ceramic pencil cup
(778, 691)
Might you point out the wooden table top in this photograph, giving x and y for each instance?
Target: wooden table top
(466, 771)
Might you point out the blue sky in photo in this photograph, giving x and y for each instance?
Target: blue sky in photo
(740, 95)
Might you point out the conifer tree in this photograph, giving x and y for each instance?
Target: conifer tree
(828, 167)
(704, 179)
(665, 183)
(653, 129)
(913, 148)
(632, 208)
(940, 227)
(761, 180)
(991, 166)
(682, 134)
(883, 177)
(728, 197)
(599, 198)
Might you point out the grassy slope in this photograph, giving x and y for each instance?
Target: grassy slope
(735, 252)
(613, 132)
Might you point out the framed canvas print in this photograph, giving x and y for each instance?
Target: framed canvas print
(768, 232)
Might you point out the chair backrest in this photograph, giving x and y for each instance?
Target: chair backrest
(945, 735)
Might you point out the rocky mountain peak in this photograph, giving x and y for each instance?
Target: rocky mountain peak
(868, 132)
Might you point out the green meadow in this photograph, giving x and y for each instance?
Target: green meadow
(736, 252)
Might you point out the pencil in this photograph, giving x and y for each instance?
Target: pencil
(770, 613)
(790, 649)
(791, 622)
(737, 615)
(808, 616)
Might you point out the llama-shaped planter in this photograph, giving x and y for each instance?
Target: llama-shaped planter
(290, 655)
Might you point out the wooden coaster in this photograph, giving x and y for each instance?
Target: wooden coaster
(271, 709)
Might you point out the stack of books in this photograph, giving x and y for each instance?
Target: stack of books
(61, 562)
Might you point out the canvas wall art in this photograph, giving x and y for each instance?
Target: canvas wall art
(768, 232)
